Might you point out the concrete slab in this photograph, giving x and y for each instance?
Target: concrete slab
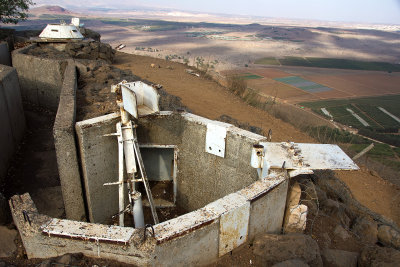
(66, 150)
(99, 159)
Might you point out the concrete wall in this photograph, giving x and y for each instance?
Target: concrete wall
(65, 145)
(38, 245)
(40, 79)
(99, 161)
(194, 239)
(201, 177)
(204, 177)
(5, 57)
(12, 120)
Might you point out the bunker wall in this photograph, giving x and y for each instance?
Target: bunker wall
(5, 57)
(12, 119)
(38, 245)
(99, 162)
(40, 79)
(204, 177)
(65, 145)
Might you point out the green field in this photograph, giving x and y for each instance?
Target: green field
(367, 105)
(267, 61)
(382, 127)
(335, 63)
(249, 76)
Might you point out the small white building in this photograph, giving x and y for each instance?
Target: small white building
(62, 31)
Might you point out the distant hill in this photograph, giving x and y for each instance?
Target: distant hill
(49, 10)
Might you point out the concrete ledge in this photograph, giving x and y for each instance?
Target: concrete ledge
(65, 145)
(41, 79)
(196, 238)
(12, 119)
(39, 244)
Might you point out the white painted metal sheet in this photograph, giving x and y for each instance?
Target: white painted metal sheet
(215, 139)
(88, 231)
(234, 228)
(130, 101)
(147, 97)
(307, 156)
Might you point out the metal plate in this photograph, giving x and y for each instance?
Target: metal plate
(307, 156)
(130, 102)
(88, 231)
(215, 139)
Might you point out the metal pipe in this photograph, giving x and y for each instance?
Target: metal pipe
(137, 209)
(121, 203)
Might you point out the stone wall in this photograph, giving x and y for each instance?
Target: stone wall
(90, 50)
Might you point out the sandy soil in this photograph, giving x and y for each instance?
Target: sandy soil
(205, 97)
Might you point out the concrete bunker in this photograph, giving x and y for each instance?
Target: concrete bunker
(232, 185)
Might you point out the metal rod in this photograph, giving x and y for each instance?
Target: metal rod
(121, 174)
(144, 178)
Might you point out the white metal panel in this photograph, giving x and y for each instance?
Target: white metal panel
(88, 231)
(234, 228)
(146, 96)
(130, 101)
(307, 156)
(215, 139)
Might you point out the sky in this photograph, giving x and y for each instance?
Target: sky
(366, 11)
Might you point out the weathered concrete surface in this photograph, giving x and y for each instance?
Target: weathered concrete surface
(198, 171)
(38, 245)
(267, 212)
(40, 79)
(5, 57)
(99, 162)
(197, 248)
(12, 120)
(204, 177)
(65, 145)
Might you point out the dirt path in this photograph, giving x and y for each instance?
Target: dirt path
(207, 98)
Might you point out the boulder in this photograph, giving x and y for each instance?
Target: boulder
(296, 219)
(379, 256)
(277, 248)
(339, 258)
(294, 195)
(388, 236)
(7, 245)
(366, 230)
(342, 233)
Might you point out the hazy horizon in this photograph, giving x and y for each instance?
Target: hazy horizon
(357, 11)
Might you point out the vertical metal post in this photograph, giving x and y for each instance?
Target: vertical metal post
(120, 174)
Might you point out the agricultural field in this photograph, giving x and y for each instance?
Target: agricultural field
(366, 108)
(303, 84)
(332, 63)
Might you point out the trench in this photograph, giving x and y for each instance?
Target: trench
(34, 167)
